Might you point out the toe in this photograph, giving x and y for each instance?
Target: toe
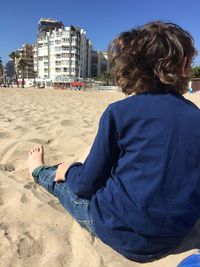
(35, 149)
(41, 149)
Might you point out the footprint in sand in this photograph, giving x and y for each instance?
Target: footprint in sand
(19, 128)
(30, 186)
(39, 128)
(27, 246)
(4, 228)
(23, 198)
(67, 122)
(4, 135)
(7, 167)
(44, 196)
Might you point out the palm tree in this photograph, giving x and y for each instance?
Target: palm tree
(13, 55)
(22, 64)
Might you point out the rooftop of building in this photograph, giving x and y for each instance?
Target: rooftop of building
(48, 20)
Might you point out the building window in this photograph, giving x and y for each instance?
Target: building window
(58, 55)
(57, 41)
(65, 62)
(45, 70)
(58, 63)
(40, 58)
(40, 45)
(65, 40)
(65, 34)
(51, 43)
(57, 48)
(58, 69)
(58, 34)
(45, 63)
(65, 55)
(65, 69)
(65, 48)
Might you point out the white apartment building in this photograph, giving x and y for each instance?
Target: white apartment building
(62, 54)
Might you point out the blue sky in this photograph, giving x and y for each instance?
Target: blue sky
(102, 19)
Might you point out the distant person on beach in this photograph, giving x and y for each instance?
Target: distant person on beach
(138, 189)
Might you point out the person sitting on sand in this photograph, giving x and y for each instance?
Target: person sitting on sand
(138, 189)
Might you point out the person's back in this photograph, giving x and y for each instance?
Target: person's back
(153, 195)
(152, 198)
(144, 161)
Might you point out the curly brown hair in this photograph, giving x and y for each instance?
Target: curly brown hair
(149, 58)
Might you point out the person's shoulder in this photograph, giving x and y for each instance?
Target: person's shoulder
(123, 102)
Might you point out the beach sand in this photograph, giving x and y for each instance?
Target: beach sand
(34, 229)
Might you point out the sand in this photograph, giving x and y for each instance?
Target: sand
(34, 229)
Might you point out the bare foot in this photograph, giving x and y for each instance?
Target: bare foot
(60, 172)
(35, 158)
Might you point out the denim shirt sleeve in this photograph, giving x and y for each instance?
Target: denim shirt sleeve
(85, 179)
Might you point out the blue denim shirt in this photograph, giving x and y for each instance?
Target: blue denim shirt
(143, 174)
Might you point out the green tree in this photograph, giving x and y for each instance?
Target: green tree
(13, 55)
(107, 77)
(22, 65)
(195, 72)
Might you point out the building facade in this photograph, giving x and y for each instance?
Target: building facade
(26, 54)
(61, 53)
(99, 63)
(10, 70)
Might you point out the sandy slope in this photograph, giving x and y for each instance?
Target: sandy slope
(34, 229)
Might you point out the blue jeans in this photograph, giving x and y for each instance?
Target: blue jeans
(78, 207)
